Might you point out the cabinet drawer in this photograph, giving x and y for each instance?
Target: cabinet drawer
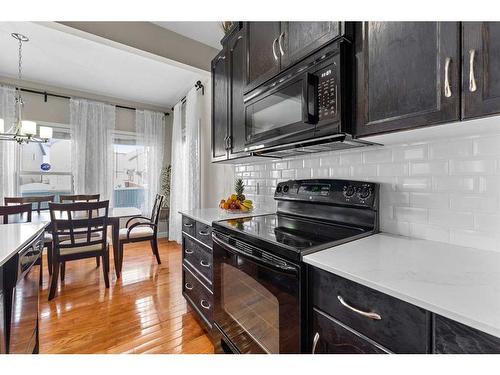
(200, 298)
(204, 233)
(188, 225)
(455, 338)
(331, 337)
(402, 327)
(198, 257)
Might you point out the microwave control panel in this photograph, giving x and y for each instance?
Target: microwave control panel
(327, 92)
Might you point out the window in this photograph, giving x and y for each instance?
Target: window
(45, 168)
(129, 171)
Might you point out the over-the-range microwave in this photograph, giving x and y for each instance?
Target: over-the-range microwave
(306, 105)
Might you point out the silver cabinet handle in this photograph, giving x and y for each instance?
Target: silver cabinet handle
(221, 58)
(205, 304)
(447, 88)
(188, 251)
(204, 264)
(188, 286)
(472, 79)
(203, 233)
(370, 315)
(315, 342)
(282, 35)
(188, 225)
(274, 49)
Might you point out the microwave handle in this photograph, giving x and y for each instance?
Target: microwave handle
(309, 99)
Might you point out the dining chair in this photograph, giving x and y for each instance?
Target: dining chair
(142, 228)
(79, 233)
(35, 200)
(73, 198)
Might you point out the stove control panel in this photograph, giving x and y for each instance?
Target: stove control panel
(334, 192)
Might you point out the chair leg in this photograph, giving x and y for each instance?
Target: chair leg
(120, 255)
(48, 245)
(54, 278)
(98, 261)
(63, 271)
(41, 269)
(105, 268)
(154, 247)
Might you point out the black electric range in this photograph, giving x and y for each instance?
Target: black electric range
(258, 273)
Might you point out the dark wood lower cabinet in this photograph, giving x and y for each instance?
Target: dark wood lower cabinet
(332, 337)
(455, 338)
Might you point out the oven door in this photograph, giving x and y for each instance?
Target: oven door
(24, 318)
(281, 113)
(257, 299)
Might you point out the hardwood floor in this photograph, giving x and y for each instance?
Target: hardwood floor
(142, 312)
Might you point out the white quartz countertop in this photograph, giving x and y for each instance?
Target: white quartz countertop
(209, 215)
(459, 283)
(13, 237)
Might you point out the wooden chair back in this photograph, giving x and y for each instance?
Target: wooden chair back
(21, 209)
(85, 222)
(35, 200)
(155, 213)
(73, 198)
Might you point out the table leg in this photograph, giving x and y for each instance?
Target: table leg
(115, 230)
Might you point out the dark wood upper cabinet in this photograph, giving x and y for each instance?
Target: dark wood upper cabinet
(220, 106)
(481, 69)
(407, 75)
(263, 52)
(299, 39)
(237, 83)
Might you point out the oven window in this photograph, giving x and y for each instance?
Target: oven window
(276, 110)
(252, 306)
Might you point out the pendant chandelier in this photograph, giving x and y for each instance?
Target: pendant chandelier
(23, 131)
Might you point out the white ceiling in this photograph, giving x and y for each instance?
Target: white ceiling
(209, 33)
(56, 58)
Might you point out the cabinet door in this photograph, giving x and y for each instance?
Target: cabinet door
(407, 75)
(237, 82)
(299, 39)
(219, 106)
(331, 337)
(481, 69)
(263, 52)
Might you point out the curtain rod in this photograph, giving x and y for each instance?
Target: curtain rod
(198, 86)
(47, 94)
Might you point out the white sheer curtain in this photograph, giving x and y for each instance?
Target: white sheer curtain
(8, 154)
(150, 129)
(92, 125)
(185, 186)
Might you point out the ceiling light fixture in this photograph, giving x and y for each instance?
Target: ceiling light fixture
(23, 131)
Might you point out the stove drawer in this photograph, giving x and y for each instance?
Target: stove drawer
(198, 258)
(402, 327)
(204, 233)
(198, 296)
(188, 225)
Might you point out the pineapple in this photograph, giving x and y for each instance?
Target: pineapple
(239, 188)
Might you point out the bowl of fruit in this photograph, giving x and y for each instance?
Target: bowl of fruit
(237, 202)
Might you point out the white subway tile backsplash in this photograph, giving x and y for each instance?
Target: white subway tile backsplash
(468, 167)
(453, 219)
(441, 191)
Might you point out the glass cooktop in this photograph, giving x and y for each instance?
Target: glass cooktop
(291, 232)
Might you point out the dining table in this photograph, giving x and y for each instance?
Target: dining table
(114, 216)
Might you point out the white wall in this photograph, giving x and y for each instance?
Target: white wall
(446, 190)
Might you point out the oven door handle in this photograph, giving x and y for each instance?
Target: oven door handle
(264, 262)
(309, 102)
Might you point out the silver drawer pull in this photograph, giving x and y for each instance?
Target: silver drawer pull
(188, 225)
(205, 304)
(315, 343)
(188, 286)
(188, 251)
(204, 233)
(472, 79)
(370, 315)
(204, 264)
(447, 87)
